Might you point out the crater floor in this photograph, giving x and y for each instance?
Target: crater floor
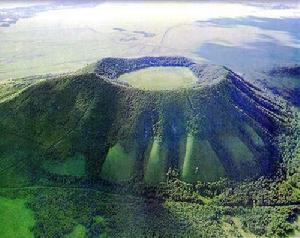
(160, 78)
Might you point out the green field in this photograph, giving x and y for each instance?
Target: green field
(160, 78)
(15, 219)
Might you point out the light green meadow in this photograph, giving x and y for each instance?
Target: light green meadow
(160, 78)
(15, 219)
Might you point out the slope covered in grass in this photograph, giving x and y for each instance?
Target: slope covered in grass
(199, 159)
(119, 165)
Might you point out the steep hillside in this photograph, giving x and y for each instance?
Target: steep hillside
(94, 126)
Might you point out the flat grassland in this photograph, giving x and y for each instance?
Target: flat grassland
(160, 78)
(16, 219)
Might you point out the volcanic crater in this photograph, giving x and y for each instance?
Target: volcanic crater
(212, 125)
